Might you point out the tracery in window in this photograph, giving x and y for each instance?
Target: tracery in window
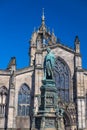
(24, 100)
(62, 77)
(3, 100)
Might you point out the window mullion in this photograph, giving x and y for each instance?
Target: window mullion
(25, 92)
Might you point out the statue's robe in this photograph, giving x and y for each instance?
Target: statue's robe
(49, 65)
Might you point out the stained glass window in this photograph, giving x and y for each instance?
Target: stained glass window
(62, 75)
(24, 100)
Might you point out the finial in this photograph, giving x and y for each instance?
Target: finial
(77, 40)
(77, 44)
(43, 17)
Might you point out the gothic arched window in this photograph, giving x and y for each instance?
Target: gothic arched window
(62, 77)
(3, 100)
(24, 100)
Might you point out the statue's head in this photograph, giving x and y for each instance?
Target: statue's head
(48, 49)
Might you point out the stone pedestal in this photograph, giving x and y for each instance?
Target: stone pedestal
(46, 116)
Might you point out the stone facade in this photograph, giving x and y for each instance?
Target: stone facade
(11, 80)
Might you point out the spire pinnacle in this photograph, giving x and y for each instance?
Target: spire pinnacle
(43, 17)
(77, 40)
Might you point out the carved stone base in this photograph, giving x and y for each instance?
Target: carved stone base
(45, 122)
(46, 117)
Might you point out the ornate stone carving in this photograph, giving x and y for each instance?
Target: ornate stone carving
(72, 110)
(50, 122)
(49, 100)
(59, 119)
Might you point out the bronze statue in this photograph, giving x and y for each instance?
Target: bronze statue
(49, 62)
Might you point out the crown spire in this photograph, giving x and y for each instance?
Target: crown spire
(43, 17)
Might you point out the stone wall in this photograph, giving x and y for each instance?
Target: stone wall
(32, 76)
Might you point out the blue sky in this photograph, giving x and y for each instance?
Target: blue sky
(18, 18)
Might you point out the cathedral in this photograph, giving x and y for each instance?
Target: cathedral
(20, 89)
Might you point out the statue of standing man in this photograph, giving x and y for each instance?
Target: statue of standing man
(49, 63)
